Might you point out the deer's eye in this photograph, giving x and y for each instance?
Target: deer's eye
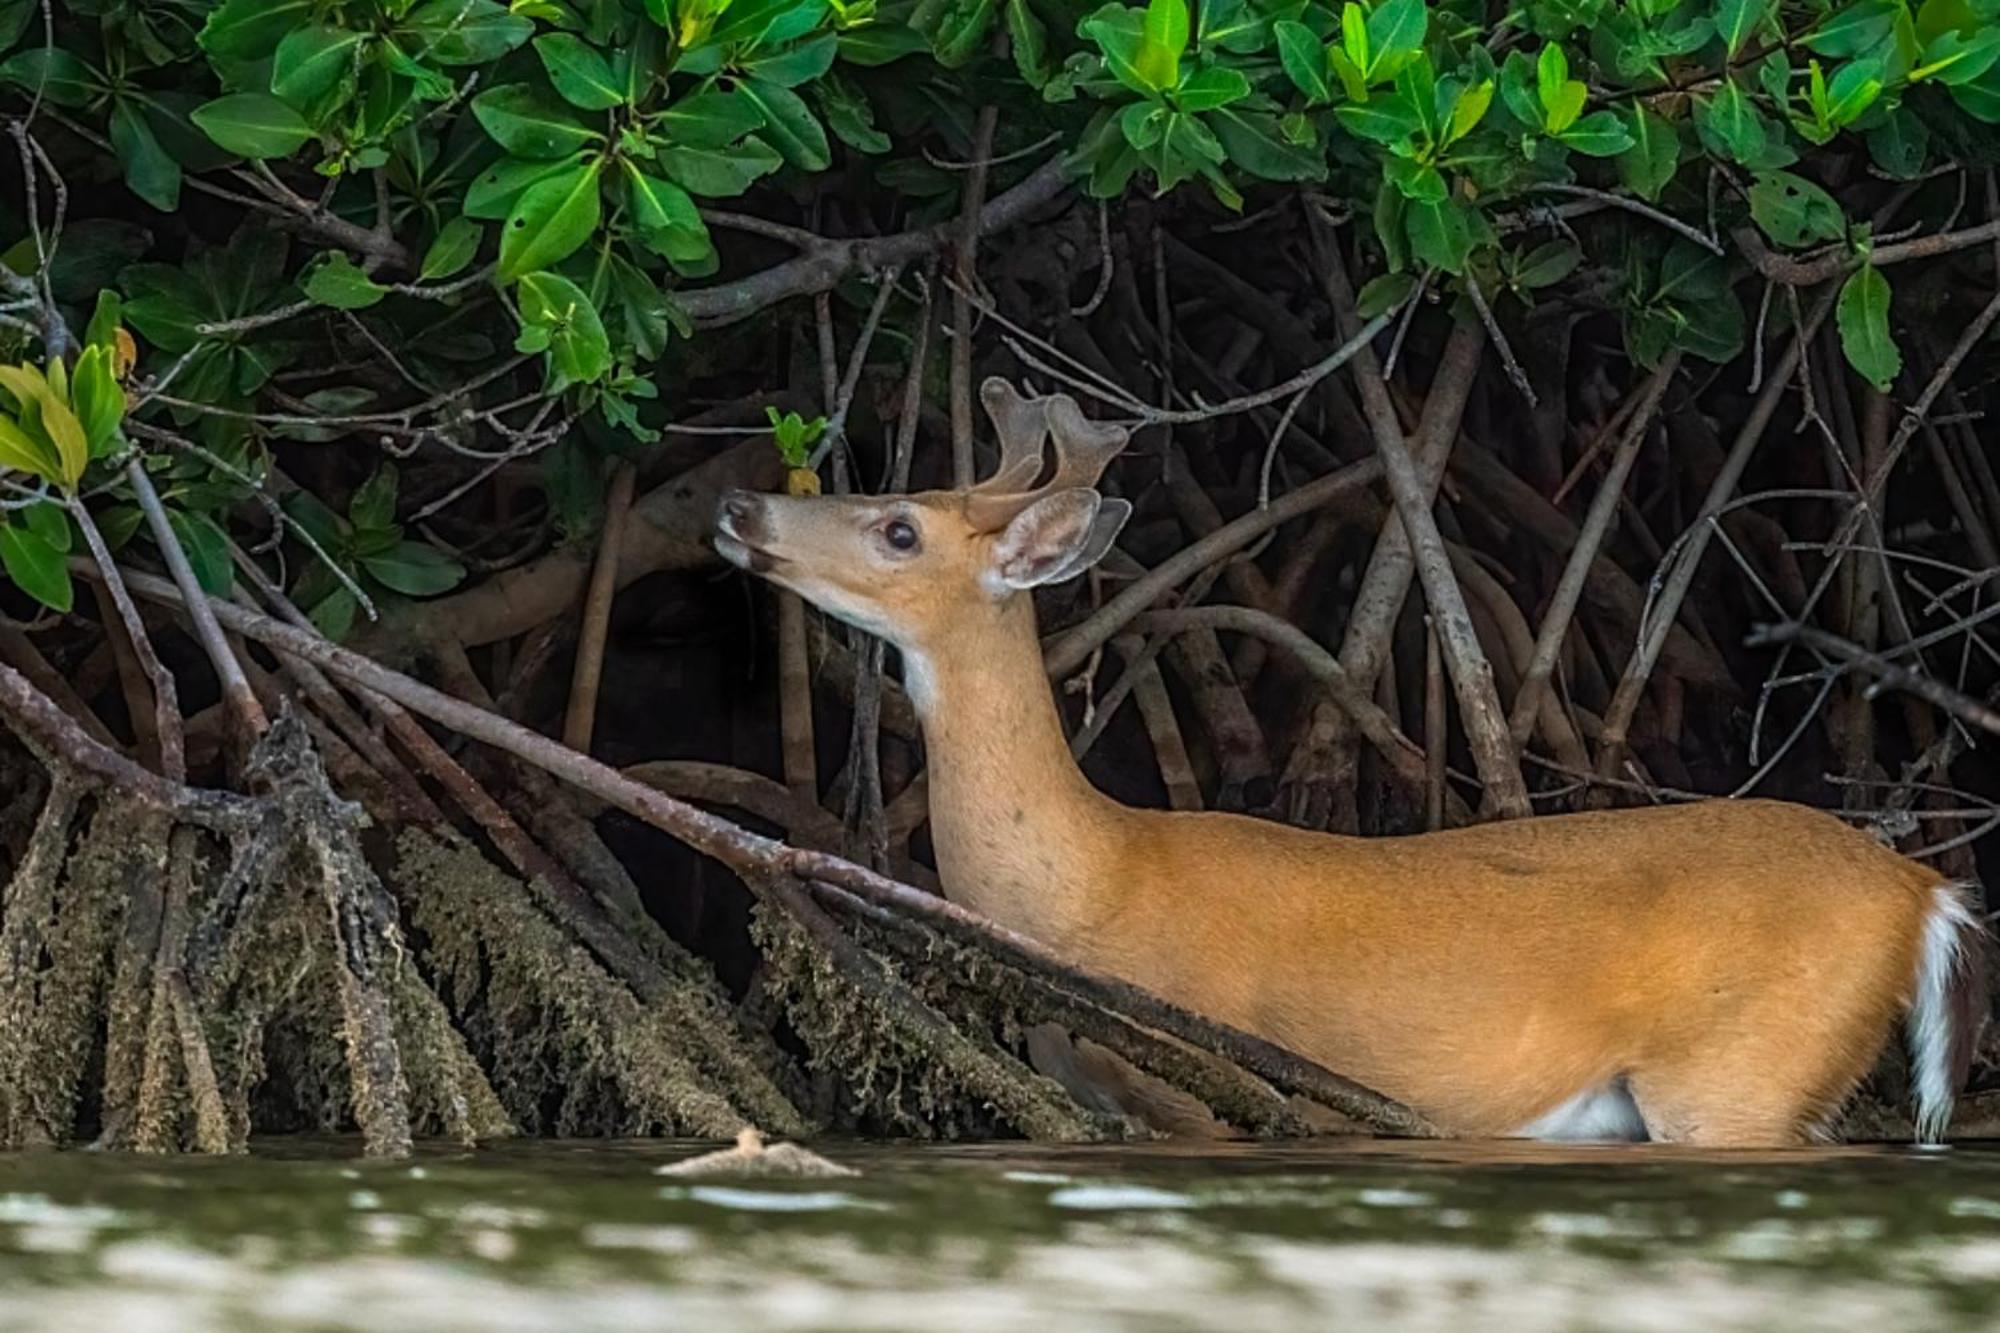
(900, 534)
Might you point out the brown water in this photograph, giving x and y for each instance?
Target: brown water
(587, 1236)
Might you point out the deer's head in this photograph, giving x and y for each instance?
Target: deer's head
(912, 567)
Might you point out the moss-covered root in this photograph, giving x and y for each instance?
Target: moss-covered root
(447, 1086)
(179, 1099)
(367, 949)
(33, 1079)
(903, 1063)
(571, 1049)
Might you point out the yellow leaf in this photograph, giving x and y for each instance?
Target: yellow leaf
(127, 352)
(71, 444)
(23, 453)
(25, 383)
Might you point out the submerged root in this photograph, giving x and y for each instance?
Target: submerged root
(905, 1066)
(571, 1049)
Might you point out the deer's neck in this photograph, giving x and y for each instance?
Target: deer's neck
(1020, 834)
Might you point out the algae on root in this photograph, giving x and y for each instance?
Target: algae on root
(910, 1061)
(571, 1049)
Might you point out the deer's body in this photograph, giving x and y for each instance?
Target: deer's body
(1720, 973)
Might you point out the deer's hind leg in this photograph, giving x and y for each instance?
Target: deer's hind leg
(1753, 1092)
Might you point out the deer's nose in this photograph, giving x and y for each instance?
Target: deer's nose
(741, 515)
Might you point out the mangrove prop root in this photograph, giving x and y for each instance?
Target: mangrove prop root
(903, 1064)
(556, 1029)
(1230, 1093)
(163, 955)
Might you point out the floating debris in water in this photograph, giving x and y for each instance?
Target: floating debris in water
(1396, 1198)
(1095, 1197)
(761, 1201)
(750, 1157)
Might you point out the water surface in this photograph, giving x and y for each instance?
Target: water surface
(587, 1236)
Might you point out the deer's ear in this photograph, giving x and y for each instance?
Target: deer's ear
(1057, 537)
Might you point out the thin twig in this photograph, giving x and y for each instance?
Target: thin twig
(1596, 524)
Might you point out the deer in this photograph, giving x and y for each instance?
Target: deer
(1720, 973)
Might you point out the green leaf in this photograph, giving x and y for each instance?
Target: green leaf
(1547, 264)
(581, 75)
(1304, 57)
(1163, 35)
(415, 570)
(243, 30)
(656, 203)
(790, 124)
(1599, 134)
(1382, 294)
(466, 32)
(36, 568)
(253, 125)
(1650, 162)
(1383, 120)
(1395, 30)
(1354, 38)
(333, 615)
(456, 244)
(311, 66)
(1441, 234)
(1418, 180)
(98, 399)
(849, 115)
(1029, 37)
(498, 188)
(207, 549)
(1207, 89)
(1900, 144)
(1469, 110)
(50, 73)
(710, 119)
(105, 317)
(800, 64)
(1353, 81)
(578, 350)
(1551, 76)
(958, 29)
(1255, 144)
(1736, 20)
(550, 222)
(1855, 29)
(337, 283)
(1729, 124)
(880, 44)
(1854, 88)
(528, 125)
(49, 520)
(373, 504)
(1863, 316)
(1952, 58)
(1793, 211)
(1980, 98)
(719, 174)
(150, 172)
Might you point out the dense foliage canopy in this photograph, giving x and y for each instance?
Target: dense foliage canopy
(512, 206)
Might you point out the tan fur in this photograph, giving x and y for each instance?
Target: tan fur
(1737, 963)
